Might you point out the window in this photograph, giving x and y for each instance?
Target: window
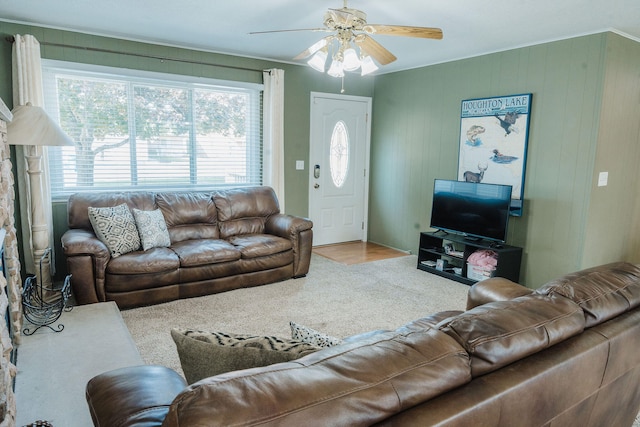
(339, 154)
(150, 131)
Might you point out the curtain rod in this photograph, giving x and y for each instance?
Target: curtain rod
(12, 39)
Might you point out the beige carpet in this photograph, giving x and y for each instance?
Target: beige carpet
(336, 299)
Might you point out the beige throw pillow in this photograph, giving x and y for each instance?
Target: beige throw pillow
(152, 229)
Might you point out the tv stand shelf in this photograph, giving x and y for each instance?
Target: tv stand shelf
(432, 249)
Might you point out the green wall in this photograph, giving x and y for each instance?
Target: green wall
(584, 120)
(299, 82)
(567, 219)
(613, 220)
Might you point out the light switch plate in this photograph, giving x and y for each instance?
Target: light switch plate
(603, 178)
(299, 165)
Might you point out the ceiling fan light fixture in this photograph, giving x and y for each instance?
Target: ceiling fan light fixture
(349, 33)
(336, 69)
(367, 66)
(319, 60)
(351, 60)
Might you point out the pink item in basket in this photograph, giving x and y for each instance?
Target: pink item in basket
(484, 258)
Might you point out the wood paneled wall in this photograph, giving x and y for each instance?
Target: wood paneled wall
(584, 120)
(613, 222)
(300, 81)
(416, 126)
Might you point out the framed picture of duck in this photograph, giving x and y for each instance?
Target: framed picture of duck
(494, 134)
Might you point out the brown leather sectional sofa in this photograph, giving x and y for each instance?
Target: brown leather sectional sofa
(220, 240)
(563, 355)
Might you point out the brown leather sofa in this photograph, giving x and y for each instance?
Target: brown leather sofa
(563, 355)
(220, 240)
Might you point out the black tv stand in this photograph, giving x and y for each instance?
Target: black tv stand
(432, 248)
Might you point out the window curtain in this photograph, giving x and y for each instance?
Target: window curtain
(27, 87)
(273, 133)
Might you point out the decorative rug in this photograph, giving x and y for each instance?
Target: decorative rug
(336, 299)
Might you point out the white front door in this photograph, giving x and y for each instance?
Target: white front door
(338, 162)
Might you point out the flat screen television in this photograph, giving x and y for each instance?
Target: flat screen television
(475, 210)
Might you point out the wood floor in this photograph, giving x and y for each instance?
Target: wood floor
(357, 252)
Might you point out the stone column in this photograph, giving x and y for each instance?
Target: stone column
(10, 281)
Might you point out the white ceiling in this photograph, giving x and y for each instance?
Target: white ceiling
(470, 27)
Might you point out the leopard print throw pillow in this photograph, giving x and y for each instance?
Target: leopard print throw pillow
(311, 336)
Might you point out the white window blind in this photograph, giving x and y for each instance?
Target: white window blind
(132, 131)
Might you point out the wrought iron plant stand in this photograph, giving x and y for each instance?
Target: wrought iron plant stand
(44, 305)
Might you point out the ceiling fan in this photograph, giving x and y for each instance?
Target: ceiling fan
(349, 29)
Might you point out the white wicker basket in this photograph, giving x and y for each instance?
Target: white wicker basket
(478, 273)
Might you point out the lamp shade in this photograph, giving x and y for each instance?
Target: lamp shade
(367, 66)
(31, 125)
(336, 69)
(351, 60)
(318, 61)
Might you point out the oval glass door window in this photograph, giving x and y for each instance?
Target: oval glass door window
(339, 154)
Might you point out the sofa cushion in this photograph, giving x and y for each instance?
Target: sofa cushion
(152, 229)
(241, 273)
(311, 336)
(498, 333)
(193, 253)
(259, 245)
(204, 354)
(244, 210)
(78, 204)
(189, 215)
(155, 260)
(116, 228)
(603, 292)
(359, 383)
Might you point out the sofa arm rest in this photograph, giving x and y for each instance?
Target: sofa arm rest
(83, 242)
(286, 226)
(494, 289)
(133, 396)
(87, 259)
(299, 231)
